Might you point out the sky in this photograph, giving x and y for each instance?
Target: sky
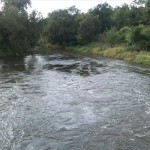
(46, 6)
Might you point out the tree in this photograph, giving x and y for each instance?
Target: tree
(62, 26)
(145, 3)
(35, 27)
(137, 37)
(87, 31)
(20, 4)
(104, 12)
(111, 36)
(139, 2)
(146, 37)
(121, 17)
(13, 29)
(18, 30)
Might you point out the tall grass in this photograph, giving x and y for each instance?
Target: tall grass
(118, 52)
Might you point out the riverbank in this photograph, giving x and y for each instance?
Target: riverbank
(4, 54)
(118, 52)
(16, 53)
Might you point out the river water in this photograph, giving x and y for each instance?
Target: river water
(70, 102)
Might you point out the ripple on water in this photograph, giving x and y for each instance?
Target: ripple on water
(76, 103)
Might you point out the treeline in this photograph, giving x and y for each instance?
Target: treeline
(20, 31)
(128, 24)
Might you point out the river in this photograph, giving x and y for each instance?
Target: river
(71, 102)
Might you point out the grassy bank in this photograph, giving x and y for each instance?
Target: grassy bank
(118, 52)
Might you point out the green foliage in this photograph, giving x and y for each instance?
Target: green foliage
(142, 2)
(130, 16)
(104, 12)
(20, 4)
(100, 24)
(62, 26)
(12, 29)
(145, 33)
(128, 25)
(35, 27)
(18, 30)
(87, 31)
(147, 4)
(138, 37)
(42, 42)
(139, 2)
(120, 16)
(122, 34)
(112, 36)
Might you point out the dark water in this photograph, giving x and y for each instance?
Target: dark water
(64, 102)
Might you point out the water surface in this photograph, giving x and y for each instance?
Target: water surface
(64, 101)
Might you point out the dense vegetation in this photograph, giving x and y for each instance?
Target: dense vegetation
(19, 31)
(127, 25)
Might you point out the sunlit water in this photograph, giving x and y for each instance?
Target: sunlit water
(65, 102)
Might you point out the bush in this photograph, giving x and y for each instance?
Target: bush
(142, 59)
(111, 36)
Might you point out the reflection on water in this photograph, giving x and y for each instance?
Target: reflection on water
(11, 64)
(71, 102)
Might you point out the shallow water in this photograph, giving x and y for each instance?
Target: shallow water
(64, 101)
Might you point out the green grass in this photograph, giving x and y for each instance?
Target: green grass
(118, 52)
(142, 58)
